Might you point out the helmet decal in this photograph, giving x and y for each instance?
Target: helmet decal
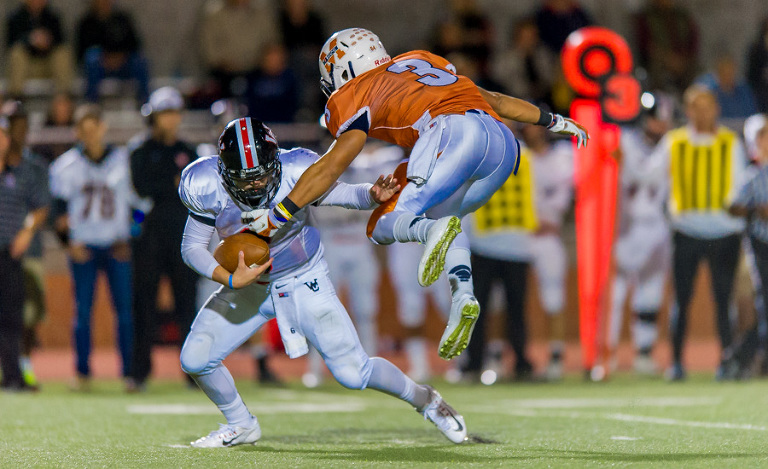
(245, 140)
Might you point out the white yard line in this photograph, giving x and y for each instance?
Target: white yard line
(622, 417)
(260, 409)
(577, 403)
(682, 423)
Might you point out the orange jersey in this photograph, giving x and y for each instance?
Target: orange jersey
(399, 98)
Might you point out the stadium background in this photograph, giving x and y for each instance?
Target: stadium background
(168, 29)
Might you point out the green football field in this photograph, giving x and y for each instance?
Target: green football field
(627, 422)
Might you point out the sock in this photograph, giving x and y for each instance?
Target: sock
(416, 350)
(220, 388)
(388, 378)
(236, 413)
(459, 267)
(644, 330)
(556, 350)
(410, 228)
(315, 362)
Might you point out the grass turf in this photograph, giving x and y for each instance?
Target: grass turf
(627, 422)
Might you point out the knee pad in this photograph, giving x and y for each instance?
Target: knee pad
(352, 375)
(195, 354)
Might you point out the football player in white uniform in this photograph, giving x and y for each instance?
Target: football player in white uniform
(553, 176)
(643, 250)
(252, 173)
(350, 256)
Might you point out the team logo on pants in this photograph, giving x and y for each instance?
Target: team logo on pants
(313, 285)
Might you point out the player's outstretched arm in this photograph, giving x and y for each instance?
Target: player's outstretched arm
(316, 180)
(522, 111)
(319, 177)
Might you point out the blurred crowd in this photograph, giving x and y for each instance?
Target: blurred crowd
(689, 190)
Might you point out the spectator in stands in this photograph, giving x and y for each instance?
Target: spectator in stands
(500, 234)
(526, 68)
(34, 306)
(557, 19)
(273, 90)
(109, 46)
(91, 184)
(470, 67)
(698, 202)
(23, 209)
(233, 35)
(733, 93)
(668, 43)
(757, 67)
(476, 31)
(447, 38)
(303, 33)
(61, 111)
(156, 170)
(301, 26)
(59, 119)
(36, 47)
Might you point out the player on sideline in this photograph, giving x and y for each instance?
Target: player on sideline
(461, 153)
(643, 249)
(251, 171)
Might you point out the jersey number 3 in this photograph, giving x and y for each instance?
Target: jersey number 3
(430, 76)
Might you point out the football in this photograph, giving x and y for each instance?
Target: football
(256, 250)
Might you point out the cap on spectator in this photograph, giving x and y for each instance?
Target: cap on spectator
(12, 109)
(162, 99)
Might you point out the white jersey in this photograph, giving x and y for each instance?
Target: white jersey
(553, 173)
(339, 226)
(642, 198)
(99, 195)
(296, 247)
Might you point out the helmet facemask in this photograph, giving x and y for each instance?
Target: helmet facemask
(237, 182)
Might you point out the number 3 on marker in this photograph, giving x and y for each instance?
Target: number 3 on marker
(430, 75)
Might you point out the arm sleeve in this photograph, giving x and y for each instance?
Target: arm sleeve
(738, 169)
(744, 196)
(194, 247)
(352, 196)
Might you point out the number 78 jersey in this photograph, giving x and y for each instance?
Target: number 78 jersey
(99, 195)
(397, 100)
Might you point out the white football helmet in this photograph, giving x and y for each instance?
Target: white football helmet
(347, 54)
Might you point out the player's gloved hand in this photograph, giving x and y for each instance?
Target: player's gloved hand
(262, 222)
(565, 126)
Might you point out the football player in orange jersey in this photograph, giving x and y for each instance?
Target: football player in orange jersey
(461, 153)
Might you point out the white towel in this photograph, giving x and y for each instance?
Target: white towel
(424, 154)
(287, 313)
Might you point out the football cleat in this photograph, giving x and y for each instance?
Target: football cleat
(445, 418)
(439, 239)
(644, 365)
(676, 372)
(461, 322)
(554, 370)
(228, 435)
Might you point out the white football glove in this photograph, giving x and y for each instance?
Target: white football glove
(565, 126)
(261, 221)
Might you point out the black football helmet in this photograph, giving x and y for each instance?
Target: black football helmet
(248, 155)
